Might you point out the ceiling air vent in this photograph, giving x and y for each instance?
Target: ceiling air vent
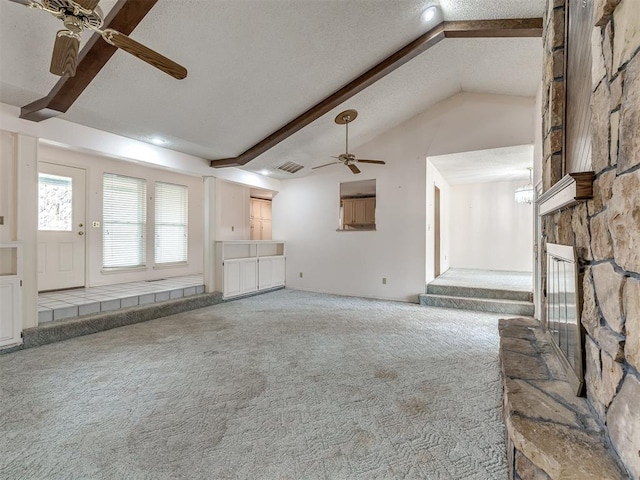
(290, 167)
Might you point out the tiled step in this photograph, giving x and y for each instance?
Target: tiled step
(62, 330)
(474, 292)
(68, 304)
(511, 307)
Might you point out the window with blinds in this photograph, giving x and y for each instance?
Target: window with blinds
(124, 221)
(170, 224)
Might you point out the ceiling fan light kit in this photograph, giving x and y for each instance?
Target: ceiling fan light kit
(346, 158)
(78, 15)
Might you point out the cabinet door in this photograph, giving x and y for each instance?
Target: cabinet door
(359, 205)
(10, 317)
(278, 271)
(265, 210)
(232, 279)
(369, 211)
(249, 275)
(272, 272)
(240, 276)
(348, 212)
(266, 230)
(256, 229)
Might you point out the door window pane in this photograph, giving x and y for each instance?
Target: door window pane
(55, 195)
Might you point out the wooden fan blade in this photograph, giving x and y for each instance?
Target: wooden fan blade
(88, 4)
(145, 54)
(353, 168)
(65, 55)
(380, 162)
(325, 165)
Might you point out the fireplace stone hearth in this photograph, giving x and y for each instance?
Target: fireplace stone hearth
(550, 433)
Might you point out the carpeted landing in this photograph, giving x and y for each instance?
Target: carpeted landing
(286, 385)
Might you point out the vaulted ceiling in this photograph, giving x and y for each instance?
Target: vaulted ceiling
(256, 65)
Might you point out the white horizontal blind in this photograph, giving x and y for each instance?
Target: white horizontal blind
(171, 223)
(124, 221)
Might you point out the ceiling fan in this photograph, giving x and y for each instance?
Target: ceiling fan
(346, 158)
(78, 15)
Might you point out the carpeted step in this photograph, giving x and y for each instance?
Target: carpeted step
(475, 292)
(511, 307)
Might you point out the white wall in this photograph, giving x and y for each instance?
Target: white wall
(232, 211)
(489, 230)
(95, 166)
(8, 179)
(353, 263)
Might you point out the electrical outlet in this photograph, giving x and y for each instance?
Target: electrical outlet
(95, 224)
(233, 228)
(384, 280)
(300, 274)
(1, 219)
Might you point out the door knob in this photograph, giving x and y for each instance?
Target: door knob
(80, 233)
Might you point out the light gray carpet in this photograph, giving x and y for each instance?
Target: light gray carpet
(492, 279)
(287, 385)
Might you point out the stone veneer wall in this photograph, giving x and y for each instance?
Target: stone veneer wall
(606, 229)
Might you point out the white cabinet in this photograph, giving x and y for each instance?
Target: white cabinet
(248, 266)
(240, 276)
(271, 272)
(10, 294)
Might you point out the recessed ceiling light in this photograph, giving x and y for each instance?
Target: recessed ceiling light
(158, 140)
(429, 14)
(264, 171)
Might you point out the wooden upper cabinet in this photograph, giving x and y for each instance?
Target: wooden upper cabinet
(260, 221)
(265, 210)
(359, 211)
(260, 209)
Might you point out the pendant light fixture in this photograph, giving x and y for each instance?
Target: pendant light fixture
(524, 194)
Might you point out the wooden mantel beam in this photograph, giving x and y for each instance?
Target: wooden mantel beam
(519, 27)
(123, 17)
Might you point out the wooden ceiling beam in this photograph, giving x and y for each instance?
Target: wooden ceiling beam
(123, 17)
(527, 27)
(515, 27)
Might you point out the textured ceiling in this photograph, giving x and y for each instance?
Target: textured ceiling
(254, 66)
(484, 166)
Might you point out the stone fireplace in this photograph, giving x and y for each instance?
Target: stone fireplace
(604, 231)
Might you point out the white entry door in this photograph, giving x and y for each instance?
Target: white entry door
(61, 227)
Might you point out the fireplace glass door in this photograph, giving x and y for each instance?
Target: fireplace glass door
(563, 301)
